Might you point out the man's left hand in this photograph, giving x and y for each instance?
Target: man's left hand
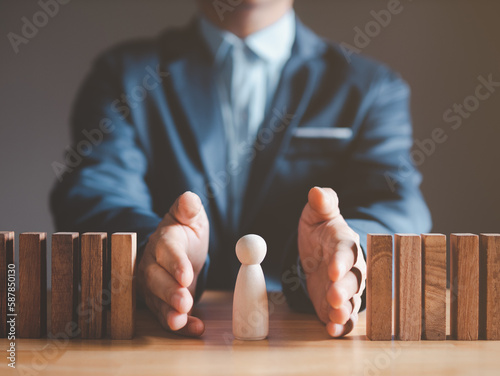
(333, 262)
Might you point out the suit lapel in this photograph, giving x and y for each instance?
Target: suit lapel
(296, 87)
(193, 81)
(191, 71)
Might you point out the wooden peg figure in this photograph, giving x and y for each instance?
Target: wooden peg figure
(250, 307)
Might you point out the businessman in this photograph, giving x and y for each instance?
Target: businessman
(243, 122)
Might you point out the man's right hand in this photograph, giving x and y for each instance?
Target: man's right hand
(172, 260)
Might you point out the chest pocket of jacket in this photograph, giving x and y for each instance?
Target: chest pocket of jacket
(316, 147)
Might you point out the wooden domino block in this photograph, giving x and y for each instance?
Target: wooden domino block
(489, 292)
(6, 259)
(433, 286)
(123, 256)
(464, 281)
(65, 278)
(93, 269)
(379, 287)
(408, 287)
(32, 300)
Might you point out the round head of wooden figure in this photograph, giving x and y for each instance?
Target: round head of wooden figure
(251, 249)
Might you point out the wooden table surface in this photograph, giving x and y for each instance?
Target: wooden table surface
(297, 344)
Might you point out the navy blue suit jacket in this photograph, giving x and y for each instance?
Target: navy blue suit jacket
(147, 126)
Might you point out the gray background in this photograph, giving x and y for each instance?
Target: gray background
(439, 47)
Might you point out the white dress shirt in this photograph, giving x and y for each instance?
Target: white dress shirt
(247, 75)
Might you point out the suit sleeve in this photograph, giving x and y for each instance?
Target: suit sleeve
(104, 185)
(379, 191)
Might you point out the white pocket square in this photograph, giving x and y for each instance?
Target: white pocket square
(338, 133)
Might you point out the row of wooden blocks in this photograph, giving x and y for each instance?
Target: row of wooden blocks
(104, 274)
(420, 287)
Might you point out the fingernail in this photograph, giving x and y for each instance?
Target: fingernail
(337, 330)
(179, 302)
(323, 192)
(343, 296)
(176, 301)
(178, 275)
(341, 270)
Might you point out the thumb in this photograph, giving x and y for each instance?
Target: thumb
(322, 205)
(186, 208)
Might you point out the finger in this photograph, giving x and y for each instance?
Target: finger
(341, 291)
(186, 208)
(324, 205)
(359, 269)
(361, 279)
(342, 314)
(183, 324)
(174, 319)
(165, 287)
(171, 255)
(180, 323)
(168, 317)
(356, 303)
(342, 260)
(337, 330)
(194, 327)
